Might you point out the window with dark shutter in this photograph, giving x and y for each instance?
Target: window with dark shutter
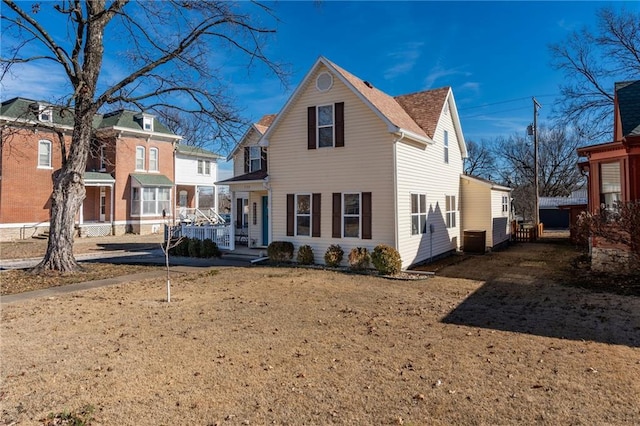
(366, 215)
(311, 127)
(336, 217)
(339, 112)
(290, 214)
(247, 159)
(315, 216)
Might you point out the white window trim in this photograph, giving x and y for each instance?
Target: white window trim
(420, 213)
(252, 158)
(296, 214)
(45, 110)
(446, 147)
(453, 212)
(141, 201)
(207, 167)
(103, 160)
(332, 125)
(157, 165)
(359, 215)
(505, 205)
(147, 121)
(50, 165)
(144, 160)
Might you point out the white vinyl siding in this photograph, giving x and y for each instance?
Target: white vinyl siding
(421, 169)
(44, 154)
(481, 209)
(364, 164)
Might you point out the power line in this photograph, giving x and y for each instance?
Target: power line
(504, 102)
(496, 112)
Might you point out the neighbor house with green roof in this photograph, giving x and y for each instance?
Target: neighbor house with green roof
(129, 178)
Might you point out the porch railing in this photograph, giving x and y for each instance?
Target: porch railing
(206, 216)
(219, 234)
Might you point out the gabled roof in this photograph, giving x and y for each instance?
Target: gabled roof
(414, 116)
(628, 94)
(260, 127)
(195, 151)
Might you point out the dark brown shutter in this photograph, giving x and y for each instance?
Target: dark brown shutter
(339, 111)
(246, 159)
(315, 215)
(366, 215)
(290, 214)
(311, 127)
(336, 218)
(263, 159)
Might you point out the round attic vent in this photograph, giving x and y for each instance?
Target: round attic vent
(324, 81)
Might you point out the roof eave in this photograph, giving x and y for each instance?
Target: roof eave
(406, 134)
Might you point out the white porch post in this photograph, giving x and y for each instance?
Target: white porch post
(232, 228)
(111, 218)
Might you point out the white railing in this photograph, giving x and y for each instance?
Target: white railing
(199, 216)
(219, 234)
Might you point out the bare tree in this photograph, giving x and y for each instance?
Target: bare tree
(165, 52)
(558, 174)
(592, 61)
(480, 160)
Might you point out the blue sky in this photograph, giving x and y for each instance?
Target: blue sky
(493, 54)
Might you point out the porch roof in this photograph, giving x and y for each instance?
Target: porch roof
(98, 178)
(257, 176)
(152, 179)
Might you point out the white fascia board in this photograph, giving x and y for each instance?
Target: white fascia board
(456, 122)
(43, 124)
(153, 135)
(406, 134)
(242, 140)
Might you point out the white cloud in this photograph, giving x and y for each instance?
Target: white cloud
(403, 59)
(438, 72)
(37, 81)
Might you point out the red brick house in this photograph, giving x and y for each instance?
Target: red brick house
(129, 177)
(614, 167)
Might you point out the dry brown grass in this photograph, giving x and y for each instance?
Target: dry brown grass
(295, 346)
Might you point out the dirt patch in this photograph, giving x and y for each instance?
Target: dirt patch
(491, 340)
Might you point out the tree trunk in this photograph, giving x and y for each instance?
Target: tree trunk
(66, 200)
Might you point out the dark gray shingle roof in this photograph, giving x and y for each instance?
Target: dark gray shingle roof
(628, 93)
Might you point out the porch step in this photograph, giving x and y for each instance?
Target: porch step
(42, 236)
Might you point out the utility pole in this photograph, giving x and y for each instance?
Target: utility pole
(536, 106)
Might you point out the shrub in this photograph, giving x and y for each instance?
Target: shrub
(194, 247)
(359, 258)
(386, 259)
(182, 249)
(305, 255)
(210, 249)
(333, 255)
(280, 251)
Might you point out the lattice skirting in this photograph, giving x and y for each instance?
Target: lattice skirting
(95, 230)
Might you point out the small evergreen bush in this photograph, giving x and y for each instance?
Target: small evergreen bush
(359, 258)
(182, 249)
(333, 255)
(386, 259)
(280, 251)
(210, 249)
(305, 255)
(194, 247)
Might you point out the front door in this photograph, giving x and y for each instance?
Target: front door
(265, 221)
(103, 204)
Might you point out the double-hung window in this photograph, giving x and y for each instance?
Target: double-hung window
(140, 158)
(325, 126)
(418, 214)
(450, 208)
(255, 155)
(44, 154)
(153, 159)
(351, 215)
(204, 167)
(446, 147)
(610, 186)
(103, 158)
(45, 114)
(505, 204)
(303, 214)
(154, 200)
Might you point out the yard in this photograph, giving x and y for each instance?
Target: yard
(493, 339)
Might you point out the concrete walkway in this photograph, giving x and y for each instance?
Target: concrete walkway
(153, 257)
